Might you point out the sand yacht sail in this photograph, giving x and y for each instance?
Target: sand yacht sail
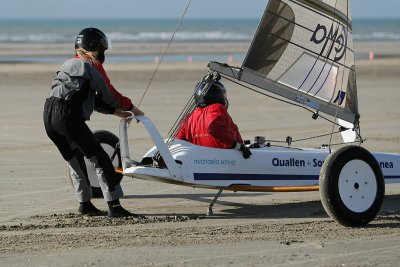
(303, 51)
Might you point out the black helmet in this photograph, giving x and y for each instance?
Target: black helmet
(223, 89)
(208, 92)
(224, 92)
(91, 39)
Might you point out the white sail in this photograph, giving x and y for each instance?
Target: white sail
(303, 51)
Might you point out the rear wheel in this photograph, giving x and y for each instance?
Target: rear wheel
(352, 187)
(109, 142)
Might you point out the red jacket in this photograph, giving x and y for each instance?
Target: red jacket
(124, 102)
(210, 126)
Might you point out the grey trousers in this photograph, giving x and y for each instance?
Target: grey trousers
(83, 190)
(66, 127)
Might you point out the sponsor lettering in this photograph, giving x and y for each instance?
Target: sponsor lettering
(386, 165)
(317, 163)
(292, 162)
(214, 162)
(334, 39)
(288, 162)
(305, 101)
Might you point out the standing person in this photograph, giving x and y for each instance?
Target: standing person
(210, 124)
(79, 88)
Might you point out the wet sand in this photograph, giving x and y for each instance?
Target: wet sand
(39, 225)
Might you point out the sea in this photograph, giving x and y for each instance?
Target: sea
(160, 30)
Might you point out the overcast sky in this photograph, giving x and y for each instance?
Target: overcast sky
(70, 9)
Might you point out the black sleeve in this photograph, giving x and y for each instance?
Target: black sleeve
(102, 107)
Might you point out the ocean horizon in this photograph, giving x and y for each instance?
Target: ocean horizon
(145, 30)
(37, 31)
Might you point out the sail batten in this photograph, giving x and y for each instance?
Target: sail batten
(331, 12)
(303, 51)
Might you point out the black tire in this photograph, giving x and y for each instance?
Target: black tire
(352, 186)
(109, 142)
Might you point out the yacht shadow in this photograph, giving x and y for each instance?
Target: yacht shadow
(224, 209)
(228, 209)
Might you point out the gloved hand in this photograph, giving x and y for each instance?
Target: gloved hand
(245, 151)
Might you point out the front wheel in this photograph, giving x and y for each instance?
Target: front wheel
(109, 142)
(352, 186)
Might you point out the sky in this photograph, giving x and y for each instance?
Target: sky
(72, 9)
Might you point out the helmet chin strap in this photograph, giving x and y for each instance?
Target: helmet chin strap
(101, 56)
(226, 103)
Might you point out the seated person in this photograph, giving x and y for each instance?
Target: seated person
(210, 124)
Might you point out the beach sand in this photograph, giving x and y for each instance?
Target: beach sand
(39, 225)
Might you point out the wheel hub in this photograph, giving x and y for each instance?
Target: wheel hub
(357, 186)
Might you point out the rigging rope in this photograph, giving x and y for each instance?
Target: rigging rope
(277, 98)
(187, 110)
(345, 55)
(296, 105)
(356, 125)
(165, 51)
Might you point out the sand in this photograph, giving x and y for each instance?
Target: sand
(39, 225)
